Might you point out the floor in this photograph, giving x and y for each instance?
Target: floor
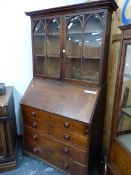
(31, 166)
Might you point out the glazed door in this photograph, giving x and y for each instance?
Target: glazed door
(46, 47)
(124, 113)
(121, 146)
(84, 37)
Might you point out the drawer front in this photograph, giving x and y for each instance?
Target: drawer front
(70, 138)
(70, 125)
(63, 163)
(55, 146)
(59, 121)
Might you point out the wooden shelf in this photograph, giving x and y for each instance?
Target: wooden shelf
(99, 33)
(54, 56)
(53, 34)
(39, 34)
(39, 55)
(89, 58)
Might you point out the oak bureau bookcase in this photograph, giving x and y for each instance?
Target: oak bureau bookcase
(63, 107)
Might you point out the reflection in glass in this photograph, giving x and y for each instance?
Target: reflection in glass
(39, 28)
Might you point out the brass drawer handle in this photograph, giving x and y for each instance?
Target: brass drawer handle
(34, 114)
(67, 125)
(35, 150)
(35, 137)
(67, 137)
(34, 125)
(66, 150)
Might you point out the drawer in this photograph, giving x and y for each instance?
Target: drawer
(56, 120)
(35, 114)
(56, 146)
(70, 124)
(61, 162)
(41, 126)
(61, 134)
(71, 138)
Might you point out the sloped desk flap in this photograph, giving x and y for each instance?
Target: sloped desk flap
(68, 100)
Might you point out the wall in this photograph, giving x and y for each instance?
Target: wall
(15, 44)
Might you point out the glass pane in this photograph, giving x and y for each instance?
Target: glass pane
(124, 128)
(39, 47)
(53, 48)
(39, 28)
(90, 70)
(74, 37)
(39, 38)
(39, 65)
(93, 36)
(53, 66)
(74, 47)
(73, 68)
(92, 42)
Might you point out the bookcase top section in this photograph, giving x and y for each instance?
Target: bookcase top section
(95, 4)
(65, 99)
